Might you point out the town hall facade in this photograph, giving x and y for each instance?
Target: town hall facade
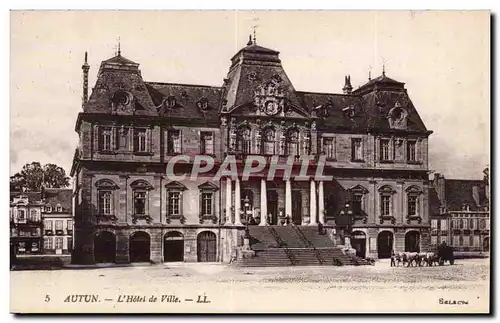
(127, 209)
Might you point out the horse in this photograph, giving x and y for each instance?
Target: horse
(412, 257)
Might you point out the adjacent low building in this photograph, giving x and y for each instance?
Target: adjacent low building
(41, 222)
(460, 214)
(57, 221)
(25, 222)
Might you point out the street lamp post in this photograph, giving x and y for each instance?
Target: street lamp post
(347, 215)
(246, 238)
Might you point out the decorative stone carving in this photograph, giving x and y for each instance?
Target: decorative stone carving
(313, 126)
(122, 102)
(269, 98)
(203, 105)
(397, 117)
(252, 76)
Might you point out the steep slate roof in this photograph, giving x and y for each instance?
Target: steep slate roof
(187, 97)
(33, 197)
(262, 62)
(434, 202)
(59, 196)
(252, 66)
(459, 191)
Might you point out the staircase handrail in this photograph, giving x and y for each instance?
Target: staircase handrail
(282, 244)
(310, 244)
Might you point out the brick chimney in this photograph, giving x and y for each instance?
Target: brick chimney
(438, 183)
(475, 195)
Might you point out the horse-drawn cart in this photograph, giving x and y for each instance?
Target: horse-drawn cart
(445, 253)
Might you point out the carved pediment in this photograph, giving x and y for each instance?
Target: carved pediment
(386, 189)
(174, 185)
(106, 184)
(413, 190)
(141, 184)
(208, 186)
(358, 189)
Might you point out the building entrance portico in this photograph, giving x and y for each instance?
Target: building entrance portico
(284, 202)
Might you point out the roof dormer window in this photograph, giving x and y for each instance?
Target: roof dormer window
(48, 209)
(59, 208)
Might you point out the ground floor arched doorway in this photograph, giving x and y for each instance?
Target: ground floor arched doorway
(385, 241)
(272, 207)
(173, 247)
(207, 246)
(486, 244)
(140, 247)
(358, 242)
(412, 241)
(104, 247)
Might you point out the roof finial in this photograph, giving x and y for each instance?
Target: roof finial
(369, 73)
(383, 66)
(85, 57)
(254, 28)
(249, 40)
(119, 49)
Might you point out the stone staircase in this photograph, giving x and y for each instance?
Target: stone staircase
(293, 246)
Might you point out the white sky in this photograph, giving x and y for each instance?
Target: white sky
(443, 57)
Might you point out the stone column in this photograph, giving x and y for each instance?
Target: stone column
(288, 199)
(312, 204)
(321, 203)
(263, 202)
(237, 202)
(228, 201)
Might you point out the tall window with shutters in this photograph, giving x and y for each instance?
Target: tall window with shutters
(105, 139)
(411, 151)
(329, 147)
(140, 140)
(269, 141)
(357, 149)
(173, 142)
(292, 142)
(207, 143)
(244, 140)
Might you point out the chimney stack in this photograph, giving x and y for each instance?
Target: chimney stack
(347, 89)
(85, 68)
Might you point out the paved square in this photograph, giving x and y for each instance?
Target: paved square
(378, 288)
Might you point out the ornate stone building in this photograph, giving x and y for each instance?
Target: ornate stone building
(127, 208)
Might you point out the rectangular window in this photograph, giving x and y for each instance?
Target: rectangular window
(385, 205)
(173, 142)
(33, 215)
(434, 224)
(70, 244)
(357, 200)
(412, 205)
(471, 241)
(140, 203)
(206, 203)
(47, 225)
(21, 215)
(59, 242)
(384, 149)
(59, 224)
(357, 149)
(174, 199)
(444, 225)
(69, 225)
(434, 240)
(105, 198)
(207, 143)
(47, 243)
(443, 239)
(411, 150)
(140, 140)
(105, 139)
(329, 147)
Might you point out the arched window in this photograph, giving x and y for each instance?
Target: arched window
(386, 193)
(269, 141)
(140, 194)
(292, 142)
(105, 194)
(462, 223)
(244, 140)
(412, 200)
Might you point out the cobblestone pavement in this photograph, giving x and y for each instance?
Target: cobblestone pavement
(285, 289)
